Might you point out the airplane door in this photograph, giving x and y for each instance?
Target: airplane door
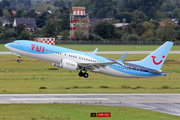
(27, 46)
(137, 71)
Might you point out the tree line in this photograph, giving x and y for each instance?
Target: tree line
(148, 20)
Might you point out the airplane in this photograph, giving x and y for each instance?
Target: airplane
(76, 60)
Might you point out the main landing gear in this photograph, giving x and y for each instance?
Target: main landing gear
(19, 60)
(81, 74)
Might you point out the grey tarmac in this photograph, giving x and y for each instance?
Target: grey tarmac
(164, 103)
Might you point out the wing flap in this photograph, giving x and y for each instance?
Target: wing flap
(96, 66)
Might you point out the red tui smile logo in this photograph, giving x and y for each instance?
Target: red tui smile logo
(157, 63)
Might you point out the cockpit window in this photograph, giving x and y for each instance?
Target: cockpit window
(16, 43)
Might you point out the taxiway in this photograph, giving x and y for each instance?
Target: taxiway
(165, 103)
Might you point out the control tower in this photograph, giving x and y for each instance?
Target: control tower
(79, 21)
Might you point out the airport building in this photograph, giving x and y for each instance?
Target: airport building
(79, 21)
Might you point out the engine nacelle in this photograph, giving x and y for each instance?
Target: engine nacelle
(67, 64)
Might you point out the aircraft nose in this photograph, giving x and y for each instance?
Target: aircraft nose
(7, 45)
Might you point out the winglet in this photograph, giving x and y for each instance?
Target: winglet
(95, 51)
(121, 59)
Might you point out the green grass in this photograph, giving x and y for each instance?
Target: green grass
(76, 112)
(31, 75)
(110, 47)
(117, 47)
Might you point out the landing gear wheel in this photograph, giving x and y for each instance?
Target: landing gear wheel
(86, 75)
(81, 74)
(18, 60)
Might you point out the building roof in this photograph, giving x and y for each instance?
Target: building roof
(93, 21)
(119, 25)
(14, 12)
(3, 17)
(28, 22)
(51, 11)
(5, 21)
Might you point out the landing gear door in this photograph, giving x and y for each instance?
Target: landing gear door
(137, 71)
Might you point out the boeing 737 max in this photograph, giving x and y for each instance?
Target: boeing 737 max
(76, 60)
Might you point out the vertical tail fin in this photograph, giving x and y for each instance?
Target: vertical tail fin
(156, 59)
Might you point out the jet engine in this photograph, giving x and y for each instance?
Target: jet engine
(66, 64)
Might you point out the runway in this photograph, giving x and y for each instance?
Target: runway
(165, 103)
(113, 52)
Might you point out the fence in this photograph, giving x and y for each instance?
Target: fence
(105, 42)
(116, 42)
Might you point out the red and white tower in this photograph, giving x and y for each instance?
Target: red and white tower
(79, 20)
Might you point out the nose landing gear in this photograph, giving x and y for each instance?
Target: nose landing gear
(81, 74)
(19, 60)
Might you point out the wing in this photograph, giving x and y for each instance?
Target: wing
(96, 66)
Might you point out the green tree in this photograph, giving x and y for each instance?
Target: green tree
(156, 23)
(158, 15)
(176, 13)
(127, 15)
(50, 29)
(5, 35)
(129, 29)
(41, 20)
(20, 28)
(149, 8)
(24, 35)
(133, 37)
(169, 7)
(56, 3)
(177, 3)
(61, 3)
(104, 29)
(6, 3)
(166, 32)
(32, 14)
(1, 12)
(140, 29)
(102, 8)
(1, 5)
(96, 8)
(65, 20)
(1, 22)
(25, 2)
(13, 2)
(10, 11)
(148, 25)
(20, 13)
(7, 14)
(2, 29)
(65, 35)
(147, 34)
(139, 15)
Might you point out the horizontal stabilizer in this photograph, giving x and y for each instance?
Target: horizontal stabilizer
(94, 53)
